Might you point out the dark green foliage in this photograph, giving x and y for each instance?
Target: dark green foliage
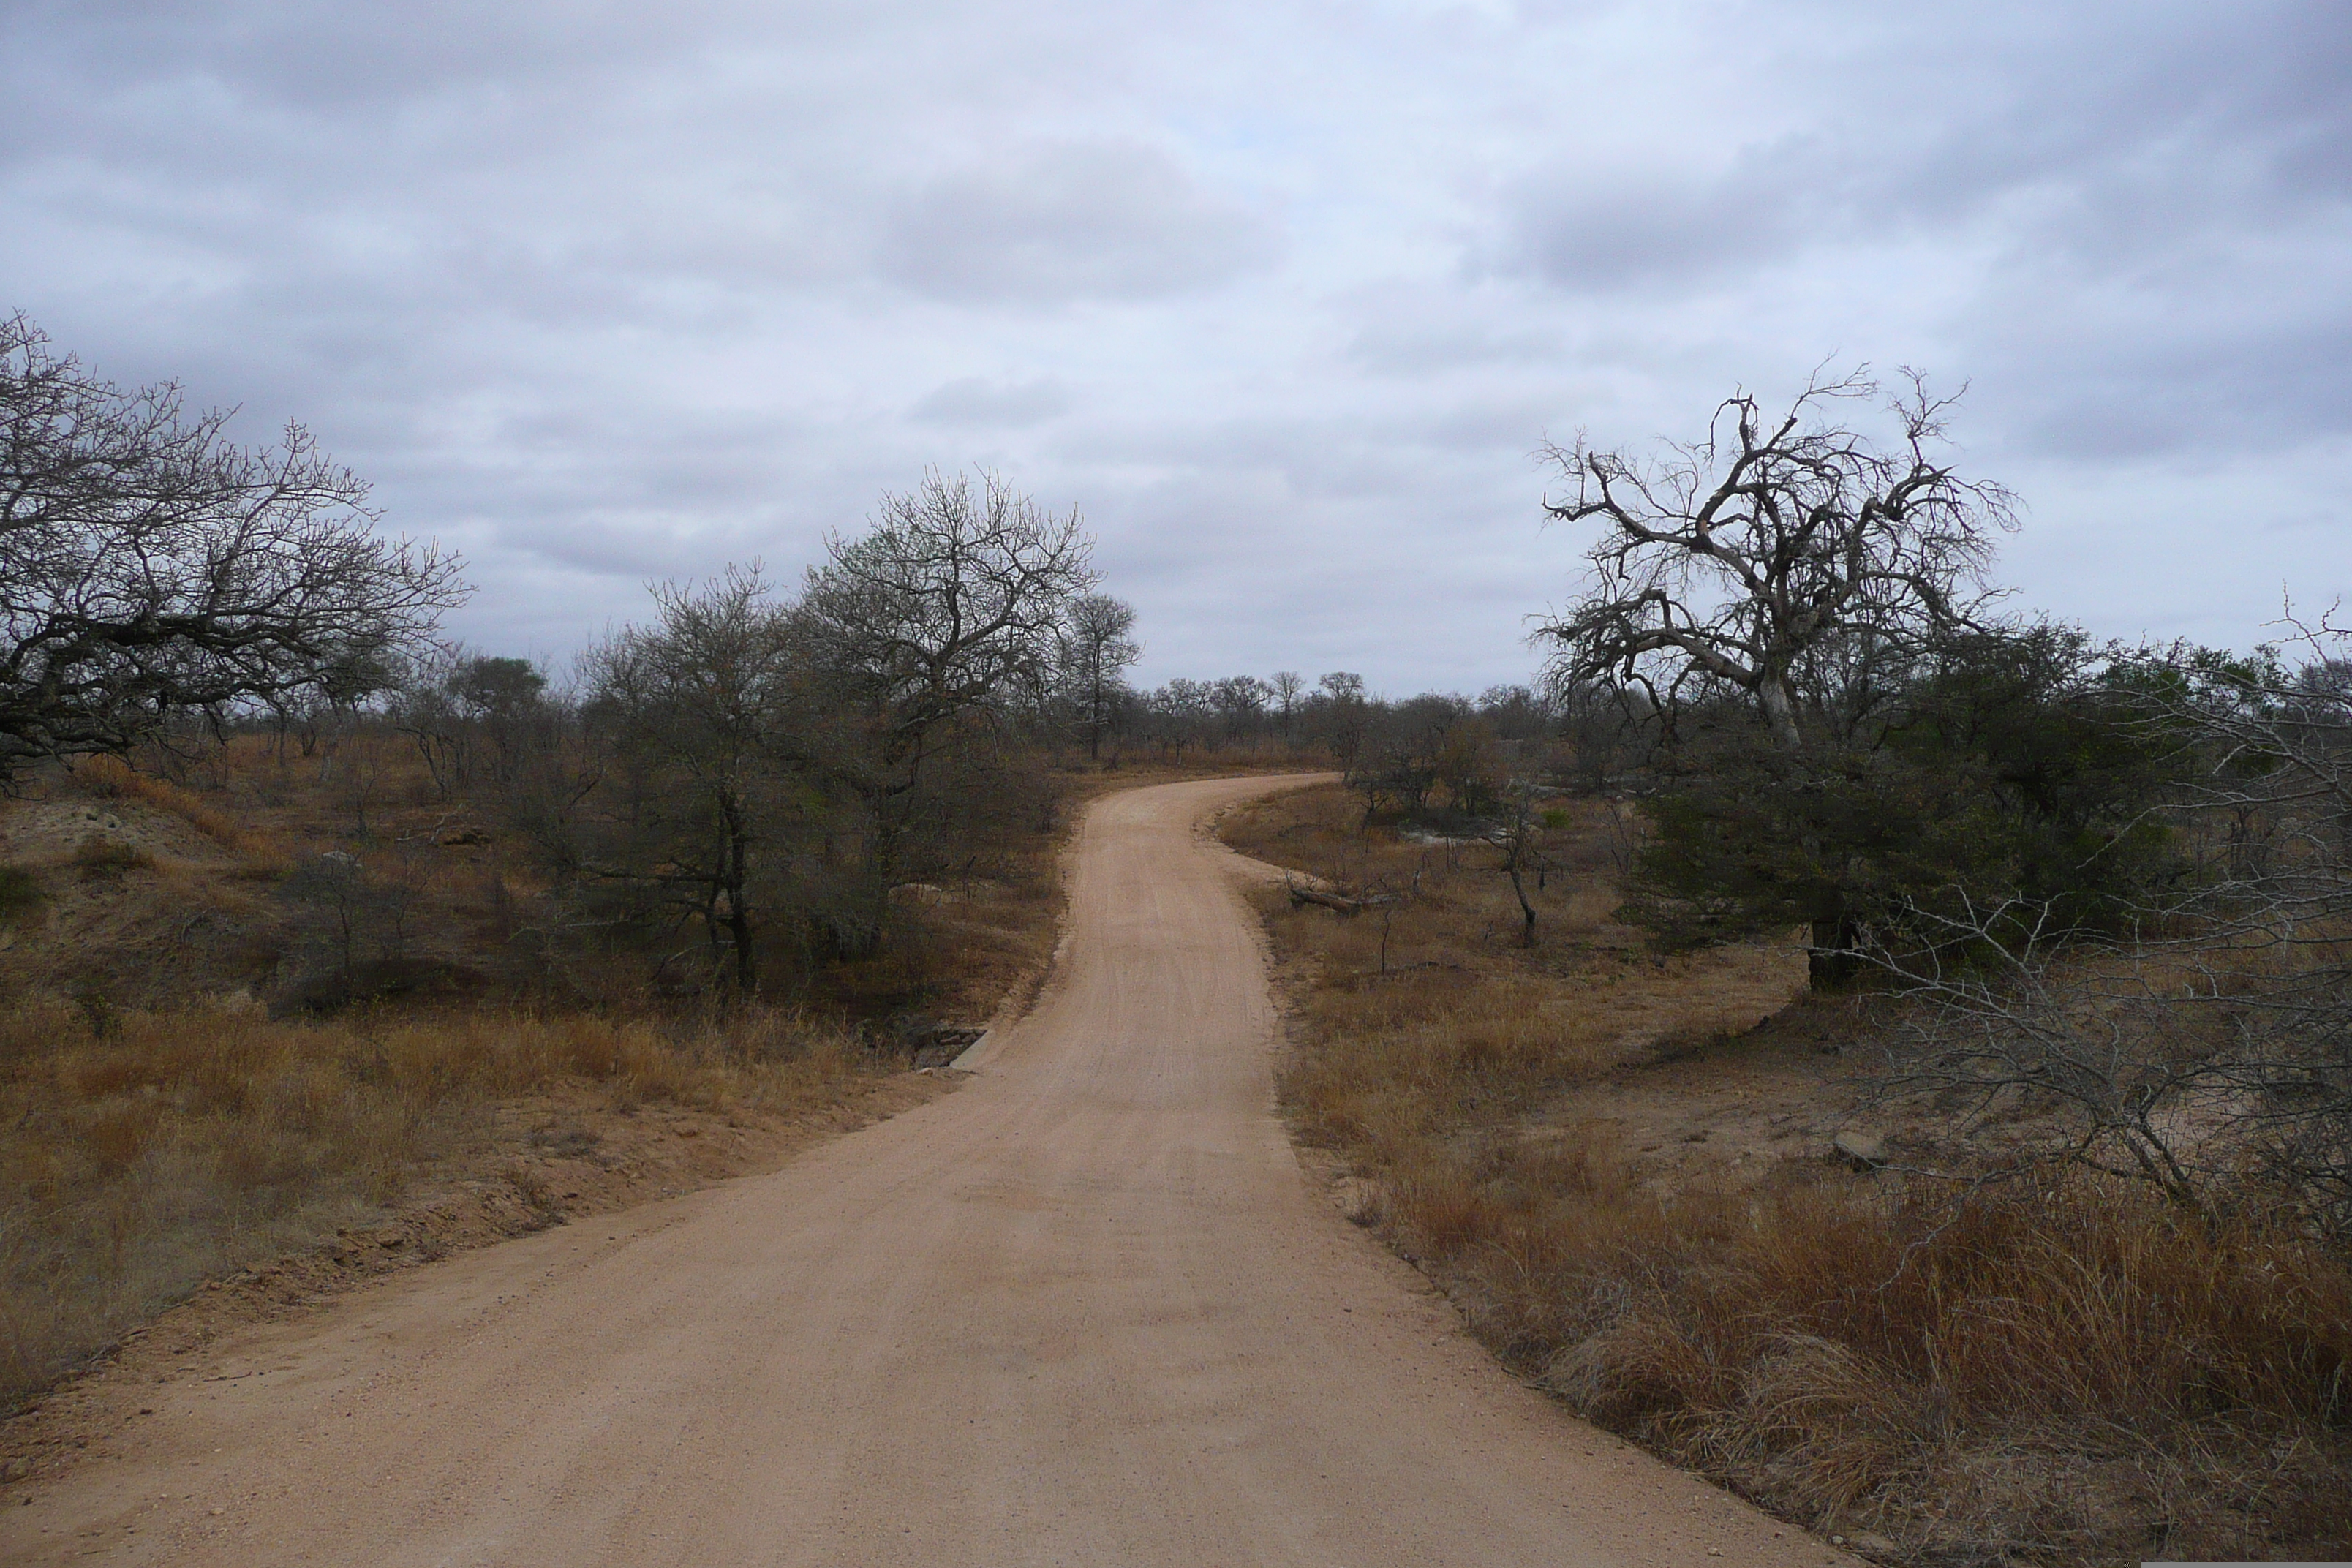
(2058, 770)
(2010, 770)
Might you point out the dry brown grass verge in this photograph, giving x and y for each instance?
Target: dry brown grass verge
(149, 1152)
(2054, 1371)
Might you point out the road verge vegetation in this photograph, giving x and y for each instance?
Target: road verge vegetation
(154, 1150)
(1680, 1194)
(235, 1034)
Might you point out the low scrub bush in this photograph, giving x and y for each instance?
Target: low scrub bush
(95, 856)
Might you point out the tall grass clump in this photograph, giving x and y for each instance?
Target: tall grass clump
(2063, 1368)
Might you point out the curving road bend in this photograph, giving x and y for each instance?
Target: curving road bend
(1087, 1310)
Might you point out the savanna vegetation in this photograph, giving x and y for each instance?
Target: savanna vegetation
(1881, 1050)
(1886, 1051)
(312, 919)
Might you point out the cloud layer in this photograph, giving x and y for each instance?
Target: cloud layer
(1281, 296)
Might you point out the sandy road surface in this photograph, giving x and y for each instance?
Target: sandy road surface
(1084, 1312)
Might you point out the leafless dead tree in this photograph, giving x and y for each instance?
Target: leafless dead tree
(696, 708)
(956, 599)
(1739, 560)
(2090, 1034)
(1096, 652)
(1519, 837)
(1288, 686)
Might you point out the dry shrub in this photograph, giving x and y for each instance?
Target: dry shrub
(172, 1145)
(95, 856)
(21, 893)
(1949, 1371)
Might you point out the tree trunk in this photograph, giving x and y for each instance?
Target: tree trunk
(1526, 909)
(1831, 963)
(735, 870)
(1780, 711)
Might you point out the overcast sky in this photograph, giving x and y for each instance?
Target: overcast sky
(1281, 294)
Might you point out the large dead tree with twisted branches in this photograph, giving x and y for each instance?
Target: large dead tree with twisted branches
(1760, 557)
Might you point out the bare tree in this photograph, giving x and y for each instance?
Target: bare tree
(501, 697)
(697, 708)
(1520, 838)
(1238, 699)
(1181, 710)
(1343, 710)
(150, 567)
(1341, 686)
(1288, 686)
(459, 708)
(956, 599)
(1096, 653)
(424, 710)
(2016, 1026)
(1771, 546)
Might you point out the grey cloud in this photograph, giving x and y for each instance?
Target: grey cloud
(972, 400)
(2133, 221)
(336, 60)
(2208, 382)
(1421, 337)
(1070, 221)
(1608, 230)
(605, 292)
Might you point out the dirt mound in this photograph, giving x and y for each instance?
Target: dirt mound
(51, 830)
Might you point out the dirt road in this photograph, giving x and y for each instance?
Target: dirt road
(1084, 1312)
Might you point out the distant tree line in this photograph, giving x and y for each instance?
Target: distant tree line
(751, 769)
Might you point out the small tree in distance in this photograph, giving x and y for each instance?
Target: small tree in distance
(1096, 654)
(1238, 699)
(1288, 686)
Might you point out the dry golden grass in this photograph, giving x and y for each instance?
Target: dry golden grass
(149, 1151)
(2062, 1371)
